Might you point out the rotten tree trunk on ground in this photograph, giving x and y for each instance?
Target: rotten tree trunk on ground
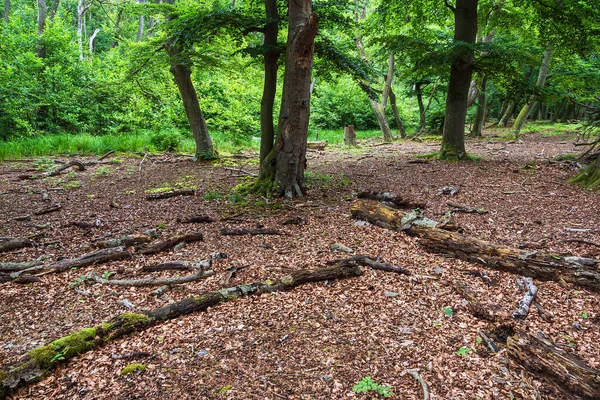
(543, 266)
(477, 309)
(566, 371)
(349, 135)
(178, 266)
(196, 219)
(176, 280)
(318, 145)
(243, 231)
(48, 210)
(369, 262)
(170, 243)
(8, 244)
(40, 361)
(169, 194)
(391, 200)
(125, 241)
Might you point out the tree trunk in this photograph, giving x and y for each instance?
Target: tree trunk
(559, 110)
(183, 78)
(383, 125)
(541, 81)
(507, 114)
(80, 12)
(465, 30)
(349, 135)
(92, 38)
(267, 128)
(419, 93)
(590, 176)
(389, 78)
(6, 10)
(399, 123)
(566, 371)
(292, 132)
(543, 266)
(41, 22)
(568, 111)
(480, 115)
(140, 31)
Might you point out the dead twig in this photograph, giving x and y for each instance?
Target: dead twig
(415, 374)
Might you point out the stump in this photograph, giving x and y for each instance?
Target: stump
(349, 135)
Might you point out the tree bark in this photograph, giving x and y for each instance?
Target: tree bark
(566, 371)
(6, 10)
(399, 123)
(41, 23)
(422, 123)
(389, 79)
(183, 78)
(481, 107)
(40, 361)
(543, 266)
(292, 133)
(541, 81)
(8, 244)
(92, 39)
(465, 31)
(117, 25)
(349, 135)
(267, 128)
(510, 109)
(140, 31)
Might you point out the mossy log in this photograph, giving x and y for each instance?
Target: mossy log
(170, 243)
(12, 243)
(564, 370)
(40, 361)
(317, 145)
(171, 193)
(543, 266)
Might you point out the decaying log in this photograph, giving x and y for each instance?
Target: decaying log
(200, 274)
(178, 266)
(543, 266)
(40, 361)
(564, 370)
(18, 278)
(367, 261)
(129, 356)
(244, 231)
(318, 145)
(125, 241)
(12, 243)
(391, 200)
(170, 243)
(415, 374)
(171, 193)
(19, 266)
(525, 303)
(196, 219)
(477, 309)
(349, 135)
(465, 209)
(47, 210)
(74, 163)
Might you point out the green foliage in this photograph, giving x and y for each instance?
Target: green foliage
(366, 384)
(211, 196)
(448, 311)
(133, 367)
(463, 351)
(166, 141)
(78, 281)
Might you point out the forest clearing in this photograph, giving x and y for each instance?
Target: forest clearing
(320, 340)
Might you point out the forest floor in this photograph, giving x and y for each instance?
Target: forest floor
(318, 340)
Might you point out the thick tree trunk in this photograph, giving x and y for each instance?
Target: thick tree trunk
(267, 128)
(140, 30)
(507, 114)
(292, 132)
(422, 124)
(92, 39)
(590, 176)
(399, 123)
(349, 135)
(382, 120)
(465, 30)
(183, 78)
(481, 108)
(541, 81)
(40, 361)
(543, 266)
(566, 371)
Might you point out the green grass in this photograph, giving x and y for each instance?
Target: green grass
(336, 136)
(547, 128)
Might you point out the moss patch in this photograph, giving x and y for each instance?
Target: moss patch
(132, 368)
(64, 348)
(131, 319)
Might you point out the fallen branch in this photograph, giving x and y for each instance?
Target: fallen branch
(244, 231)
(125, 241)
(106, 155)
(477, 309)
(74, 163)
(38, 362)
(18, 278)
(47, 210)
(201, 274)
(566, 371)
(129, 356)
(369, 262)
(525, 303)
(19, 266)
(197, 219)
(581, 241)
(8, 244)
(178, 266)
(170, 243)
(543, 266)
(172, 193)
(493, 347)
(465, 209)
(415, 374)
(391, 199)
(241, 172)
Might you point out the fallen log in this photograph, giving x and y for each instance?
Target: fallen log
(19, 266)
(244, 231)
(367, 261)
(48, 210)
(465, 209)
(74, 163)
(38, 362)
(170, 243)
(125, 241)
(391, 199)
(197, 219)
(566, 371)
(317, 145)
(477, 309)
(178, 266)
(525, 303)
(18, 278)
(12, 243)
(171, 193)
(176, 280)
(538, 265)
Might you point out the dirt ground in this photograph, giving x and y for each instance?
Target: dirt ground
(319, 340)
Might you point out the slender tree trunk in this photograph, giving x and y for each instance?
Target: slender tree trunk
(419, 93)
(41, 23)
(80, 12)
(267, 128)
(480, 115)
(6, 10)
(465, 30)
(389, 79)
(399, 123)
(507, 114)
(140, 31)
(541, 81)
(183, 78)
(92, 38)
(292, 132)
(117, 25)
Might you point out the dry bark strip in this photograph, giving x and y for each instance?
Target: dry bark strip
(525, 303)
(170, 243)
(391, 199)
(40, 361)
(244, 231)
(172, 193)
(415, 374)
(564, 370)
(177, 280)
(367, 261)
(543, 266)
(12, 243)
(74, 163)
(125, 241)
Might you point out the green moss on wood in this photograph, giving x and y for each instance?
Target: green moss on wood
(64, 348)
(132, 319)
(590, 177)
(132, 368)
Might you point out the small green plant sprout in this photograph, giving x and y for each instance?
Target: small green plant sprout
(57, 357)
(436, 323)
(211, 196)
(107, 274)
(132, 368)
(584, 314)
(463, 351)
(448, 311)
(479, 340)
(161, 225)
(367, 384)
(103, 171)
(78, 281)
